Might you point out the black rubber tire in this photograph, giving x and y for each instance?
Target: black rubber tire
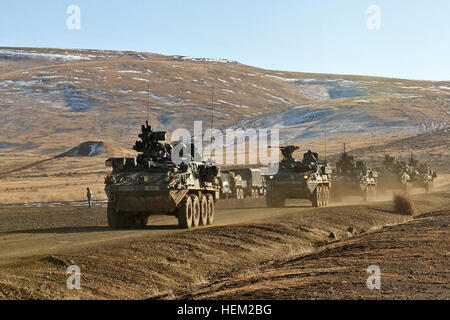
(316, 198)
(326, 192)
(408, 188)
(204, 211)
(322, 196)
(195, 211)
(364, 193)
(211, 209)
(184, 213)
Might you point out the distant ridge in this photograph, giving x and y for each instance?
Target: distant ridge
(85, 149)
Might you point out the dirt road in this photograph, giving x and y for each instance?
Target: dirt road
(66, 228)
(37, 244)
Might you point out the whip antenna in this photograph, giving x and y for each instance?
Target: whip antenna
(212, 110)
(326, 137)
(148, 101)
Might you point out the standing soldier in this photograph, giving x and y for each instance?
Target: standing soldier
(89, 196)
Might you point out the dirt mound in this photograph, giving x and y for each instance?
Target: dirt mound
(96, 148)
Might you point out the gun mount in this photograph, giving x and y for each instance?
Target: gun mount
(150, 146)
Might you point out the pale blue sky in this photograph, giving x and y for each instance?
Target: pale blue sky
(295, 35)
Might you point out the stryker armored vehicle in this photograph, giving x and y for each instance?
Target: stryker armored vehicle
(395, 175)
(152, 184)
(422, 174)
(353, 178)
(306, 179)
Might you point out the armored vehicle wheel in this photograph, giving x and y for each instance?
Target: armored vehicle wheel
(326, 193)
(211, 209)
(115, 219)
(204, 211)
(373, 193)
(316, 197)
(195, 211)
(365, 193)
(408, 188)
(184, 213)
(429, 186)
(369, 193)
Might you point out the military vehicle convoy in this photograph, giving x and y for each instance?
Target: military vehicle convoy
(421, 174)
(353, 178)
(152, 184)
(306, 179)
(242, 183)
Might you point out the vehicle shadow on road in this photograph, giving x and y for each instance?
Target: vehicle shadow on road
(88, 229)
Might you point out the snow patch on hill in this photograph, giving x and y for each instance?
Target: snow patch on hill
(310, 121)
(18, 54)
(325, 88)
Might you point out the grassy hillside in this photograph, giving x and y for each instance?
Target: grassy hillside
(53, 100)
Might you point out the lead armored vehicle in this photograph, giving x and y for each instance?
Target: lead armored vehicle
(306, 179)
(353, 178)
(152, 184)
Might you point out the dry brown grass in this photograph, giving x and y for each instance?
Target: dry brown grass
(403, 204)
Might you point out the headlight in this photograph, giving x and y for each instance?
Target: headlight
(270, 177)
(306, 177)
